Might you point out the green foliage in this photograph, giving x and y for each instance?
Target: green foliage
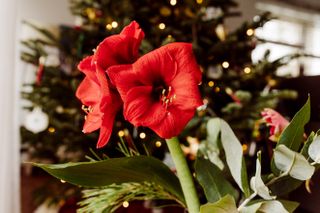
(109, 198)
(224, 205)
(118, 171)
(292, 136)
(212, 181)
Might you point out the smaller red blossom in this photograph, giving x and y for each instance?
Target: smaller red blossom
(276, 122)
(101, 100)
(160, 90)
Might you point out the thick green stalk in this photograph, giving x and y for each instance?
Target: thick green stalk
(184, 175)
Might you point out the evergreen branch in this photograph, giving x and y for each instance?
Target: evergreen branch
(110, 198)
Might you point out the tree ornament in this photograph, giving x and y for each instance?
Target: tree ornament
(36, 121)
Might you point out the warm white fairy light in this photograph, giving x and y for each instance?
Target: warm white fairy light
(210, 83)
(229, 91)
(217, 89)
(114, 24)
(250, 32)
(225, 64)
(51, 129)
(109, 27)
(247, 70)
(162, 26)
(173, 2)
(199, 1)
(125, 204)
(142, 135)
(62, 181)
(121, 133)
(158, 144)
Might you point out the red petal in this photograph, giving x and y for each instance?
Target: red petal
(173, 123)
(106, 128)
(155, 67)
(182, 53)
(186, 91)
(88, 92)
(93, 122)
(119, 49)
(88, 68)
(124, 77)
(140, 108)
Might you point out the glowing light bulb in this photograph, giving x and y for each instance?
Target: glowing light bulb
(158, 144)
(62, 181)
(162, 26)
(173, 2)
(250, 32)
(217, 89)
(225, 64)
(142, 135)
(247, 70)
(244, 147)
(51, 129)
(210, 83)
(109, 27)
(121, 133)
(114, 24)
(199, 1)
(125, 204)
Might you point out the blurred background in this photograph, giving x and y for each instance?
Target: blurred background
(254, 54)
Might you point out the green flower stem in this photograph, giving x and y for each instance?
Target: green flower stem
(184, 175)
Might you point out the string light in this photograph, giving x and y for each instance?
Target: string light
(62, 181)
(210, 83)
(158, 144)
(244, 147)
(125, 204)
(229, 91)
(217, 89)
(114, 24)
(199, 1)
(121, 133)
(247, 70)
(51, 129)
(225, 64)
(250, 32)
(109, 27)
(162, 26)
(142, 135)
(173, 2)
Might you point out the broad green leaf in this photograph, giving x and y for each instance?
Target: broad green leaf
(257, 185)
(274, 206)
(234, 157)
(314, 149)
(117, 171)
(212, 181)
(305, 148)
(224, 205)
(292, 163)
(210, 148)
(292, 136)
(285, 185)
(213, 131)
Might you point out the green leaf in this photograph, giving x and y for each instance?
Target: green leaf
(224, 205)
(213, 131)
(292, 163)
(274, 206)
(292, 136)
(314, 149)
(257, 185)
(234, 157)
(304, 150)
(117, 171)
(212, 181)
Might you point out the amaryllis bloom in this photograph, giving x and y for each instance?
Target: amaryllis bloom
(160, 90)
(276, 122)
(100, 99)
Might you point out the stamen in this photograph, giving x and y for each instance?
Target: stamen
(167, 97)
(87, 109)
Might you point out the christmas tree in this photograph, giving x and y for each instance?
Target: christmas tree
(233, 87)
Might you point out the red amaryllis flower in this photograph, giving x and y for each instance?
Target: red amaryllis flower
(101, 100)
(276, 122)
(160, 90)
